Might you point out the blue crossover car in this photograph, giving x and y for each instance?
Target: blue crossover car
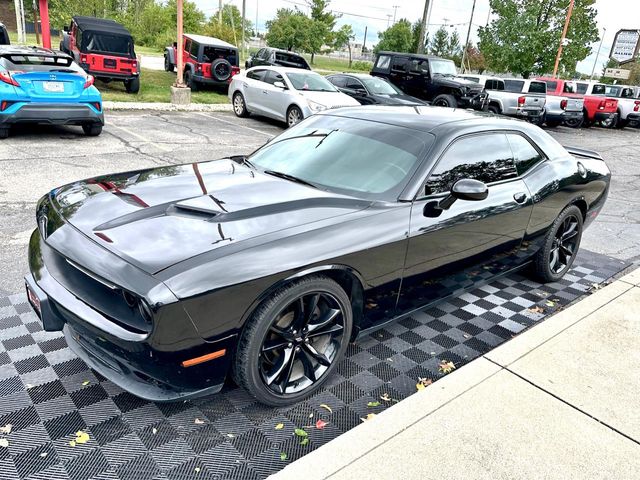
(39, 85)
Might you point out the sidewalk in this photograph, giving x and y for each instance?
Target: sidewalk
(560, 401)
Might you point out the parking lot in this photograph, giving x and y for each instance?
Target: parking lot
(36, 159)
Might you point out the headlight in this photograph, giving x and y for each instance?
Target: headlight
(316, 107)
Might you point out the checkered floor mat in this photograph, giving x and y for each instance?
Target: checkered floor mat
(47, 394)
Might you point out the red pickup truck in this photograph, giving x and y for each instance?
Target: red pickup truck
(596, 107)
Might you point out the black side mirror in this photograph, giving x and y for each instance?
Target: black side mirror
(465, 189)
(65, 28)
(360, 91)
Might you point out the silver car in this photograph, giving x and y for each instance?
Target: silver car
(286, 94)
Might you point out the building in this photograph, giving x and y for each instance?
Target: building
(626, 46)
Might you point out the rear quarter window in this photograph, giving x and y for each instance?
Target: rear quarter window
(513, 85)
(384, 62)
(525, 155)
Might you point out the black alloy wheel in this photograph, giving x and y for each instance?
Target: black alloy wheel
(445, 100)
(294, 341)
(561, 245)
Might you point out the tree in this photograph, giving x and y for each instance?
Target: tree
(396, 38)
(344, 37)
(524, 35)
(475, 59)
(232, 23)
(324, 21)
(288, 30)
(415, 31)
(440, 43)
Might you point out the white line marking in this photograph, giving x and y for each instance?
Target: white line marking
(140, 137)
(236, 124)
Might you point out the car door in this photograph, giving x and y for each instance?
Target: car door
(398, 73)
(448, 248)
(274, 99)
(252, 90)
(354, 88)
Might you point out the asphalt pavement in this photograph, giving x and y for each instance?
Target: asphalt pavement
(36, 159)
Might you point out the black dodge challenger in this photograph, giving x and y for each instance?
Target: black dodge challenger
(265, 267)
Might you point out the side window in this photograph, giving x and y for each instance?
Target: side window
(260, 53)
(419, 66)
(524, 154)
(537, 87)
(627, 93)
(582, 88)
(599, 89)
(194, 50)
(354, 84)
(273, 77)
(187, 45)
(485, 157)
(569, 87)
(399, 64)
(256, 75)
(383, 63)
(513, 85)
(338, 80)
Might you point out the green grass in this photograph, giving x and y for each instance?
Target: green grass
(153, 51)
(154, 87)
(337, 64)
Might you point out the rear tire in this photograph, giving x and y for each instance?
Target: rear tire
(189, 81)
(445, 100)
(133, 85)
(574, 122)
(4, 133)
(622, 123)
(239, 105)
(307, 326)
(560, 246)
(92, 130)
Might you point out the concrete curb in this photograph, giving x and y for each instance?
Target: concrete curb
(363, 439)
(167, 107)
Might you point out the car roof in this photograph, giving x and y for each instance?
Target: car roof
(283, 51)
(213, 41)
(425, 118)
(280, 69)
(103, 25)
(25, 50)
(416, 55)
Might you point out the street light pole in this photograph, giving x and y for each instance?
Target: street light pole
(466, 43)
(604, 32)
(564, 34)
(180, 47)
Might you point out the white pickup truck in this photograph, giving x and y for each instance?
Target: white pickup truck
(528, 106)
(634, 117)
(561, 107)
(628, 103)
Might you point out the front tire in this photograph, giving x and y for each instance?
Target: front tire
(168, 66)
(445, 100)
(494, 109)
(239, 105)
(560, 246)
(294, 341)
(294, 116)
(92, 130)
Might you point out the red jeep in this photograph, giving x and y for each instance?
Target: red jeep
(104, 49)
(596, 108)
(207, 61)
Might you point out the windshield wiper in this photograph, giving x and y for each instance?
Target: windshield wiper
(243, 160)
(291, 178)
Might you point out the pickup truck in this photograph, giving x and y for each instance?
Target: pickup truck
(528, 106)
(634, 117)
(562, 109)
(628, 102)
(596, 107)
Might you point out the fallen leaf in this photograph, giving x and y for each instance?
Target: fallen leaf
(385, 397)
(197, 469)
(85, 383)
(283, 456)
(6, 430)
(72, 443)
(390, 360)
(280, 426)
(536, 309)
(320, 424)
(199, 422)
(373, 404)
(82, 437)
(4, 443)
(231, 435)
(326, 407)
(423, 383)
(368, 417)
(466, 335)
(44, 454)
(154, 430)
(29, 386)
(300, 432)
(304, 441)
(549, 303)
(596, 286)
(446, 366)
(311, 415)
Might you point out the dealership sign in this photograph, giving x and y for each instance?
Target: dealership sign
(617, 73)
(625, 46)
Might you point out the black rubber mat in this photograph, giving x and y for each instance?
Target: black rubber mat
(53, 402)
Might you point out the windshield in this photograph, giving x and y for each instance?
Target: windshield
(443, 67)
(311, 82)
(345, 155)
(377, 86)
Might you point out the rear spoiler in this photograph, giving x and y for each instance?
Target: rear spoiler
(581, 152)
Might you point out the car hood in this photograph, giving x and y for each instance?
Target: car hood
(330, 99)
(159, 217)
(456, 82)
(397, 99)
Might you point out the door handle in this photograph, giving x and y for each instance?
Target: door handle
(264, 91)
(520, 197)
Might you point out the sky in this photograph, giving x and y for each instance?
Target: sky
(377, 14)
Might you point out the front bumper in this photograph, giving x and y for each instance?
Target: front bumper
(54, 114)
(147, 364)
(634, 117)
(477, 102)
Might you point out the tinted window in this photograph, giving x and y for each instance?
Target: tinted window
(273, 77)
(627, 93)
(354, 84)
(486, 157)
(338, 80)
(537, 87)
(256, 74)
(400, 64)
(524, 154)
(513, 85)
(419, 66)
(383, 62)
(187, 45)
(582, 88)
(494, 84)
(551, 85)
(569, 87)
(260, 52)
(599, 89)
(209, 54)
(194, 49)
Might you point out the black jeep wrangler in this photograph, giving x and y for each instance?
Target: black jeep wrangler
(4, 35)
(430, 78)
(275, 56)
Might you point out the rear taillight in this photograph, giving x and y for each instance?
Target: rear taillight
(83, 59)
(637, 106)
(96, 105)
(6, 78)
(134, 64)
(563, 104)
(199, 68)
(89, 81)
(521, 101)
(602, 105)
(235, 70)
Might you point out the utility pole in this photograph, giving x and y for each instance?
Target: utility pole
(388, 19)
(244, 9)
(220, 12)
(595, 64)
(364, 43)
(564, 34)
(257, 32)
(20, 23)
(395, 11)
(466, 43)
(423, 27)
(180, 48)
